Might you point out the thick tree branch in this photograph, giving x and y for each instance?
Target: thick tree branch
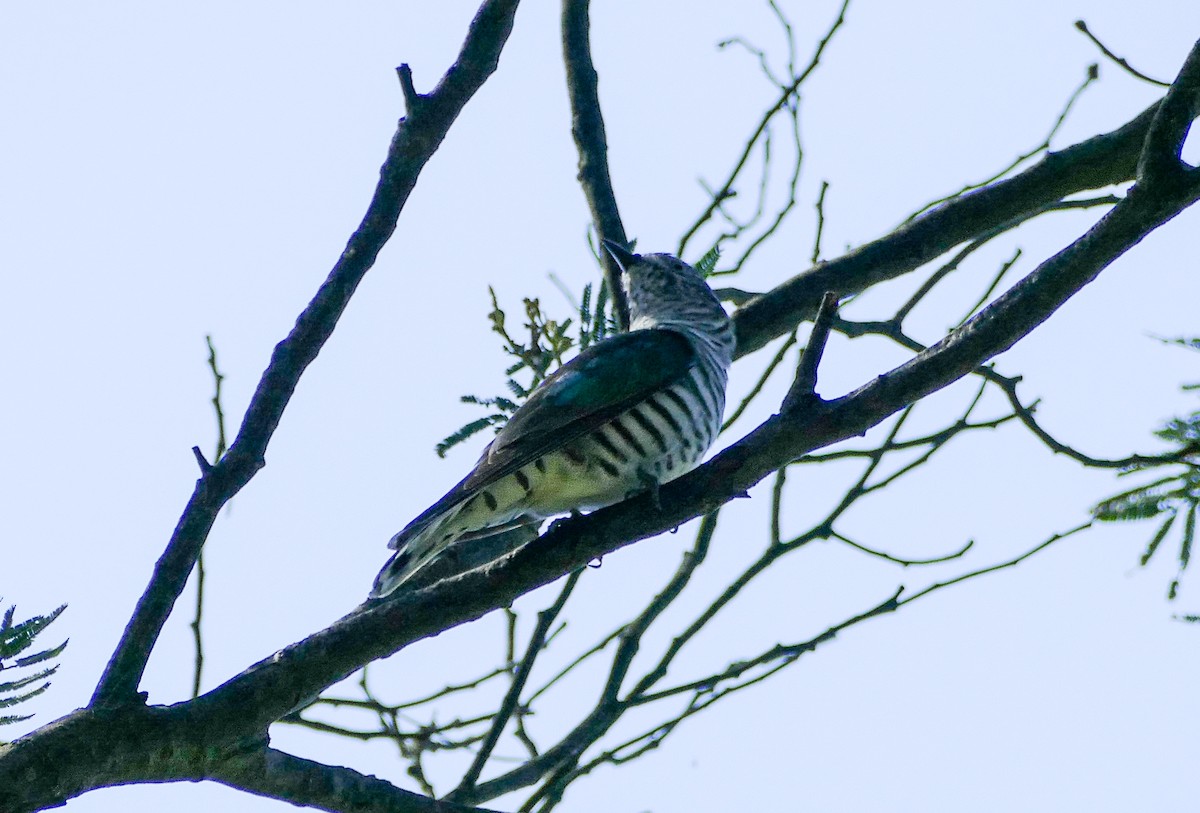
(587, 128)
(1098, 162)
(417, 137)
(1160, 163)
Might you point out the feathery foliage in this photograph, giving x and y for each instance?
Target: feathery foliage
(1167, 498)
(547, 348)
(707, 265)
(15, 639)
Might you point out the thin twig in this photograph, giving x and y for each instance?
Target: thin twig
(596, 648)
(938, 438)
(1105, 159)
(903, 561)
(512, 697)
(1082, 26)
(777, 506)
(372, 704)
(417, 136)
(633, 632)
(412, 99)
(197, 639)
(785, 652)
(1023, 412)
(1090, 76)
(1016, 560)
(820, 207)
(793, 185)
(991, 289)
(785, 96)
(982, 240)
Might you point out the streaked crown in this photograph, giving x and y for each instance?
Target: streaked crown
(666, 292)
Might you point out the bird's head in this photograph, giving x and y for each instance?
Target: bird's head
(664, 291)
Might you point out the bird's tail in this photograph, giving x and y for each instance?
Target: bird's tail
(415, 546)
(421, 544)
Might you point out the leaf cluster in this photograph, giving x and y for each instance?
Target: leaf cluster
(1167, 498)
(15, 639)
(548, 347)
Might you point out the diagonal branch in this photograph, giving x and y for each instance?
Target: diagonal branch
(417, 137)
(1160, 163)
(587, 128)
(1100, 161)
(803, 392)
(513, 697)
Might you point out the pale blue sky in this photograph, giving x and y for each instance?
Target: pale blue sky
(172, 171)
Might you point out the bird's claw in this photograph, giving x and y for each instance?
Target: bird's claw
(650, 486)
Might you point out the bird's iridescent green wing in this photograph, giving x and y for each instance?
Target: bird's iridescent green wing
(588, 392)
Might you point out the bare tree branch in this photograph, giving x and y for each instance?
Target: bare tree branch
(198, 616)
(417, 137)
(1091, 76)
(587, 127)
(785, 96)
(1082, 26)
(1098, 162)
(1160, 164)
(511, 698)
(803, 392)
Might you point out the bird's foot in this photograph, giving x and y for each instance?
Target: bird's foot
(650, 485)
(571, 517)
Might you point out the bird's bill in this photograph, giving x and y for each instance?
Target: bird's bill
(622, 255)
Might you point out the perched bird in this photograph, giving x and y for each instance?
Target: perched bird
(631, 412)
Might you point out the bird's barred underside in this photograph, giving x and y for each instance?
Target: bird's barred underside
(682, 338)
(651, 443)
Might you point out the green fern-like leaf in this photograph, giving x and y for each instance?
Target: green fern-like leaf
(602, 323)
(1189, 534)
(1142, 502)
(516, 389)
(21, 683)
(499, 402)
(468, 431)
(1182, 430)
(1157, 539)
(707, 264)
(16, 638)
(585, 317)
(1190, 342)
(546, 346)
